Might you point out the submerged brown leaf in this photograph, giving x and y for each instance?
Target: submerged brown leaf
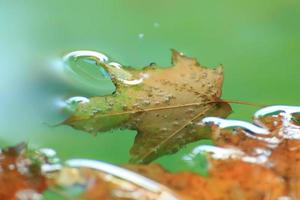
(161, 104)
(20, 177)
(244, 165)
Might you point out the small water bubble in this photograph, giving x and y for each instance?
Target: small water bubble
(175, 123)
(141, 36)
(227, 123)
(167, 99)
(146, 102)
(124, 107)
(115, 64)
(72, 103)
(96, 110)
(86, 53)
(28, 194)
(164, 129)
(77, 99)
(11, 167)
(204, 75)
(156, 25)
(48, 152)
(50, 155)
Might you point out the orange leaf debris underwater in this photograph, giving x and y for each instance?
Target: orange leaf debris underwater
(248, 161)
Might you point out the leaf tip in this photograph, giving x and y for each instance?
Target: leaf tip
(176, 55)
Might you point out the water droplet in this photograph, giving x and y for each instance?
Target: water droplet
(124, 107)
(164, 129)
(86, 53)
(216, 152)
(28, 194)
(146, 102)
(227, 123)
(167, 99)
(156, 25)
(175, 123)
(48, 152)
(71, 104)
(116, 65)
(96, 110)
(11, 167)
(141, 36)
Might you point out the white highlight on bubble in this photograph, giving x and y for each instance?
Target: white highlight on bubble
(115, 64)
(228, 123)
(77, 99)
(141, 35)
(86, 53)
(216, 152)
(123, 174)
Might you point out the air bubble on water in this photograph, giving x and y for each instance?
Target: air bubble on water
(164, 129)
(286, 112)
(124, 107)
(146, 102)
(48, 152)
(156, 25)
(77, 99)
(51, 159)
(175, 123)
(216, 152)
(11, 167)
(227, 123)
(132, 82)
(115, 64)
(70, 104)
(85, 53)
(141, 36)
(28, 194)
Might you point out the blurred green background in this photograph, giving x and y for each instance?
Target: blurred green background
(258, 42)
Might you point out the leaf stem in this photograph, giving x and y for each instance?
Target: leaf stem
(242, 103)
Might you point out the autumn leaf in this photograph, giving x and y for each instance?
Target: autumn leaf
(161, 104)
(247, 162)
(20, 175)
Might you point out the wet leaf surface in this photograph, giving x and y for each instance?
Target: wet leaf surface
(20, 175)
(161, 104)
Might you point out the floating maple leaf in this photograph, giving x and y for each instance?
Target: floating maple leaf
(162, 105)
(20, 176)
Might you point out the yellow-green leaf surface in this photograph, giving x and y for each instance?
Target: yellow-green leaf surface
(164, 105)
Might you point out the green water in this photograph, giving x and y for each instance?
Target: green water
(258, 42)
